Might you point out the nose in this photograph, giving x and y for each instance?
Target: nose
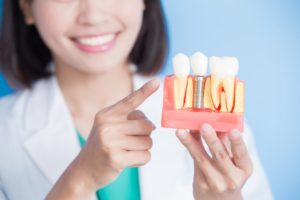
(93, 12)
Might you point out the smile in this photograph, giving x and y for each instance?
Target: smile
(96, 43)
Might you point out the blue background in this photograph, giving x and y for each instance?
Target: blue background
(265, 36)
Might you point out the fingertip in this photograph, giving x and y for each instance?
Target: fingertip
(234, 134)
(154, 83)
(206, 129)
(181, 134)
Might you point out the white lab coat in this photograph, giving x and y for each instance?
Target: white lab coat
(38, 142)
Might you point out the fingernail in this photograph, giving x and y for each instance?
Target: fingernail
(234, 134)
(206, 129)
(181, 134)
(154, 82)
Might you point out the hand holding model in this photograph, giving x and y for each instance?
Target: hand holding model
(220, 172)
(120, 138)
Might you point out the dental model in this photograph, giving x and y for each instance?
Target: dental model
(182, 67)
(192, 100)
(199, 64)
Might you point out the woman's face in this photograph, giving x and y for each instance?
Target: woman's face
(89, 35)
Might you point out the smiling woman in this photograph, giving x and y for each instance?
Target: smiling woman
(25, 44)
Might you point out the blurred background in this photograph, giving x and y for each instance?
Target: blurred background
(265, 36)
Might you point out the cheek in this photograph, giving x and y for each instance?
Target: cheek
(51, 21)
(131, 13)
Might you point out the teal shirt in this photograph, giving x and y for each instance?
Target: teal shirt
(125, 187)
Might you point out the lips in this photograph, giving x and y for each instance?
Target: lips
(95, 43)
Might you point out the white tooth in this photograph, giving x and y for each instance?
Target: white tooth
(230, 66)
(181, 64)
(199, 63)
(216, 66)
(223, 67)
(108, 38)
(223, 71)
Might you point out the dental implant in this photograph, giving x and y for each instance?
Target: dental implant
(199, 63)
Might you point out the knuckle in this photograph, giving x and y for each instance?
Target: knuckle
(136, 114)
(106, 147)
(241, 154)
(203, 186)
(215, 142)
(232, 185)
(217, 188)
(238, 142)
(200, 159)
(115, 162)
(220, 155)
(100, 117)
(104, 129)
(129, 101)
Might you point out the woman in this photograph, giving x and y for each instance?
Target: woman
(74, 62)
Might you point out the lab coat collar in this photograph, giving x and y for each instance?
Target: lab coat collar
(52, 142)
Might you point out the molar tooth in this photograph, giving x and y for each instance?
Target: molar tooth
(223, 72)
(216, 80)
(231, 65)
(229, 88)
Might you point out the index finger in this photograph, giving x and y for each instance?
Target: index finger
(132, 101)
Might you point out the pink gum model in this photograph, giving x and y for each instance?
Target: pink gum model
(193, 119)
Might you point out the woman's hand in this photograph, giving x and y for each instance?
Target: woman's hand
(120, 138)
(223, 174)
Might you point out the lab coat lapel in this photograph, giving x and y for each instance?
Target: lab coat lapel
(151, 185)
(52, 143)
(146, 175)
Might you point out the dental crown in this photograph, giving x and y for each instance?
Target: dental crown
(223, 66)
(199, 63)
(181, 65)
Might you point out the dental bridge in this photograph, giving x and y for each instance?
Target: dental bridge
(190, 100)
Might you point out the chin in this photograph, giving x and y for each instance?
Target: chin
(98, 67)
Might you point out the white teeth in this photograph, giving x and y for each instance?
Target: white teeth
(199, 63)
(224, 67)
(96, 41)
(181, 64)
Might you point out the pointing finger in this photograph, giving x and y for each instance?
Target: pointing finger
(136, 98)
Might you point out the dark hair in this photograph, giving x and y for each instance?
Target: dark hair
(24, 56)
